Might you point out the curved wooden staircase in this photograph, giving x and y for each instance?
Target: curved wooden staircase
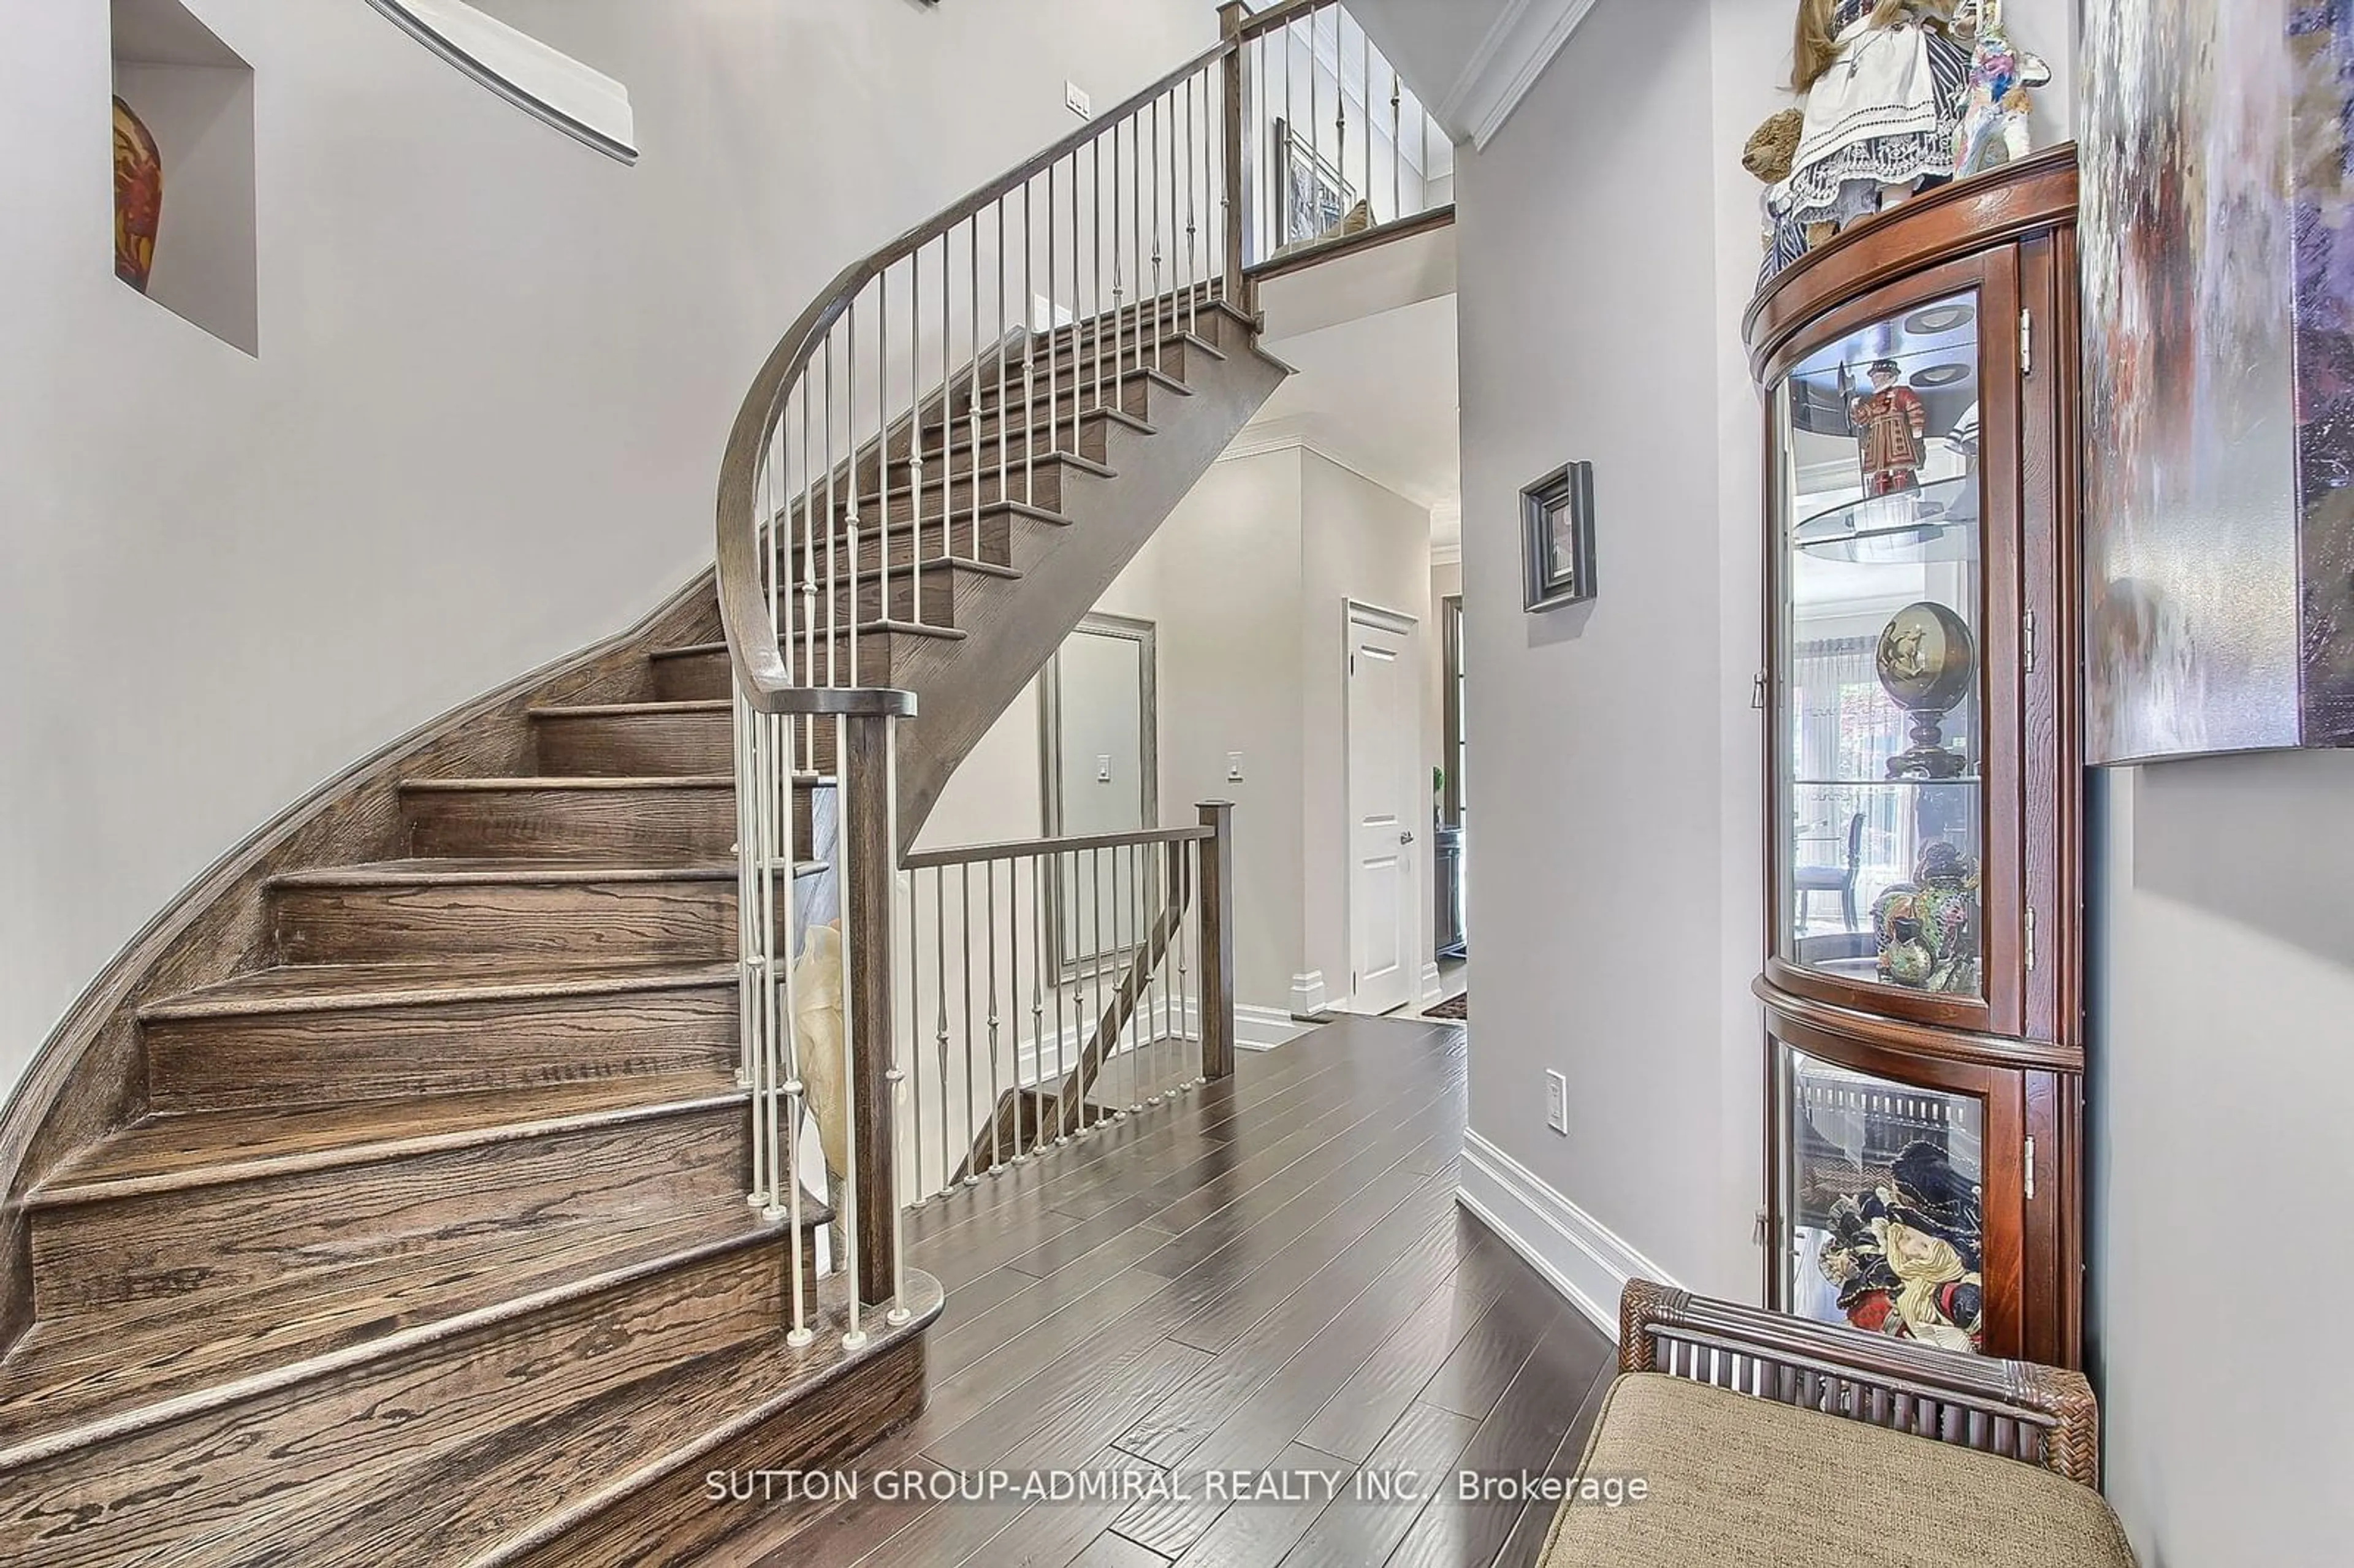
(386, 1202)
(421, 1236)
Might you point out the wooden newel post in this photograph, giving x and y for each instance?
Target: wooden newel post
(868, 862)
(1231, 17)
(1217, 894)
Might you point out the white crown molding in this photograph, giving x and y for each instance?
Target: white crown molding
(1449, 554)
(1522, 41)
(1577, 1253)
(543, 82)
(1314, 433)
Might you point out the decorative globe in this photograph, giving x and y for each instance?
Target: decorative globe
(1926, 658)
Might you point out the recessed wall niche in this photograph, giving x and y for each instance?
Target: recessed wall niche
(194, 96)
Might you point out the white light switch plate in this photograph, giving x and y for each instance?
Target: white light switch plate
(1234, 767)
(1103, 766)
(1557, 1102)
(1075, 99)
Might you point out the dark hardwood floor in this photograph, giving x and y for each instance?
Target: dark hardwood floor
(1270, 1275)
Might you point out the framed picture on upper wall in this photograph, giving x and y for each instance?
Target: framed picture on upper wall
(1557, 539)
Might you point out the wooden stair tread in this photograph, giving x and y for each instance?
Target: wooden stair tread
(491, 870)
(310, 988)
(493, 784)
(629, 710)
(72, 1382)
(167, 1153)
(481, 1503)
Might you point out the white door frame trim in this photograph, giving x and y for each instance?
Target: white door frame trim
(1356, 612)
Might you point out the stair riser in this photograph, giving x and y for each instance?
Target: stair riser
(1041, 486)
(1135, 393)
(1096, 365)
(1027, 418)
(634, 745)
(1089, 440)
(654, 826)
(396, 1052)
(183, 1244)
(676, 1520)
(260, 1480)
(1004, 538)
(945, 598)
(692, 920)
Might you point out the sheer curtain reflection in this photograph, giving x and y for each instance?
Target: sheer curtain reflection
(1847, 731)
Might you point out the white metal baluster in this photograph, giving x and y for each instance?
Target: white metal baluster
(1029, 341)
(1157, 328)
(785, 1054)
(915, 454)
(1397, 147)
(948, 399)
(940, 975)
(1059, 936)
(1038, 1000)
(899, 1313)
(972, 336)
(851, 520)
(964, 914)
(1053, 297)
(1192, 226)
(996, 1093)
(1190, 857)
(880, 522)
(914, 1139)
(832, 526)
(1004, 409)
(806, 675)
(1140, 956)
(847, 1204)
(1095, 158)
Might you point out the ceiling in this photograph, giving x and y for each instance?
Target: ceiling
(1378, 395)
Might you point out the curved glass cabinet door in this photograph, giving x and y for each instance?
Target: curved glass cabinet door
(1879, 794)
(1883, 1204)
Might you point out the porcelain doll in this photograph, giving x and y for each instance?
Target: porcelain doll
(1884, 82)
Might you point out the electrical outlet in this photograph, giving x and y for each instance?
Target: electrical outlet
(1075, 99)
(1557, 1102)
(1234, 767)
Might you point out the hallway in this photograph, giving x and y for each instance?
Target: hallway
(1272, 1275)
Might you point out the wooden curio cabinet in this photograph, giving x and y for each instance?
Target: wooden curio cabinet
(1922, 979)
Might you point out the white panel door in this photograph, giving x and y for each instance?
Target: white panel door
(1383, 743)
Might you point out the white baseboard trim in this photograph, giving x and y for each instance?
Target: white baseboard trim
(1308, 994)
(1265, 1028)
(1430, 982)
(1578, 1255)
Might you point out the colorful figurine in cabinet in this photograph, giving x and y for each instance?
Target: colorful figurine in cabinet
(1994, 116)
(1893, 429)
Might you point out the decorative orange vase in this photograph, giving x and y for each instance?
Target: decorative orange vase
(138, 198)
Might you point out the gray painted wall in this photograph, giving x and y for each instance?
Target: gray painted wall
(496, 370)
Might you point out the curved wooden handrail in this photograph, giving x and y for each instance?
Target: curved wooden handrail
(760, 668)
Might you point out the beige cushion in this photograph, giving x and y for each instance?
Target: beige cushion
(1736, 1479)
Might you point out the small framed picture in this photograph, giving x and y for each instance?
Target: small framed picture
(1557, 539)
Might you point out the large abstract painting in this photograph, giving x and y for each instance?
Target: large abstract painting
(2219, 294)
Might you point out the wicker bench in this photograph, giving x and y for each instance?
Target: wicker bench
(1733, 1436)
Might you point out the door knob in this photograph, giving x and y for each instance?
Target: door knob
(1405, 837)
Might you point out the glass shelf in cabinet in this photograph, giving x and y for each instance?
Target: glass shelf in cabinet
(1937, 521)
